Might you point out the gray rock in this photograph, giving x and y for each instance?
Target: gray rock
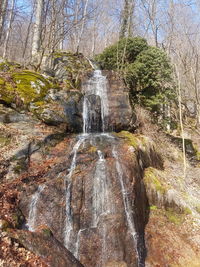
(8, 115)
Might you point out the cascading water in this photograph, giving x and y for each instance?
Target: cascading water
(69, 216)
(107, 205)
(96, 86)
(33, 208)
(100, 190)
(95, 92)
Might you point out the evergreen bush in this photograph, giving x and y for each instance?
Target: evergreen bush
(146, 70)
(123, 52)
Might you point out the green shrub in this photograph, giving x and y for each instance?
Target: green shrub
(146, 70)
(123, 52)
(150, 71)
(150, 79)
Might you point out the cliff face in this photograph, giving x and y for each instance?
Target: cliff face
(96, 199)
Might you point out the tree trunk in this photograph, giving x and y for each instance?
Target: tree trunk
(36, 46)
(82, 26)
(3, 9)
(9, 28)
(181, 120)
(127, 19)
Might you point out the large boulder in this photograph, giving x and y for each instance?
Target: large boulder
(66, 67)
(45, 245)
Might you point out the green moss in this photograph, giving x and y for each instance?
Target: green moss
(4, 141)
(75, 65)
(153, 207)
(30, 86)
(132, 139)
(25, 87)
(187, 211)
(150, 179)
(7, 93)
(92, 149)
(2, 81)
(174, 217)
(6, 66)
(39, 103)
(47, 232)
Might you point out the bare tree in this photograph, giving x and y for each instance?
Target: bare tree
(82, 25)
(3, 10)
(11, 17)
(127, 18)
(36, 45)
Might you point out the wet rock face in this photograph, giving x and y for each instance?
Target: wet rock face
(121, 116)
(46, 246)
(101, 187)
(94, 113)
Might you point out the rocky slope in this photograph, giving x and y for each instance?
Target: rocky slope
(36, 144)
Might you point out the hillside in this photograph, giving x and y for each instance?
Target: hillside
(38, 145)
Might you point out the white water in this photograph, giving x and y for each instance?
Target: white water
(33, 208)
(100, 198)
(97, 86)
(102, 194)
(128, 210)
(68, 228)
(76, 254)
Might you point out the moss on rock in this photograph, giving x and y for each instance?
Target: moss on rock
(30, 86)
(68, 68)
(22, 88)
(92, 149)
(4, 140)
(6, 66)
(133, 140)
(174, 217)
(151, 180)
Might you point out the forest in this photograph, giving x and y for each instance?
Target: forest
(99, 133)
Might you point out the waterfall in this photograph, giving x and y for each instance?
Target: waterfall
(96, 86)
(68, 227)
(32, 216)
(107, 188)
(127, 207)
(95, 120)
(100, 190)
